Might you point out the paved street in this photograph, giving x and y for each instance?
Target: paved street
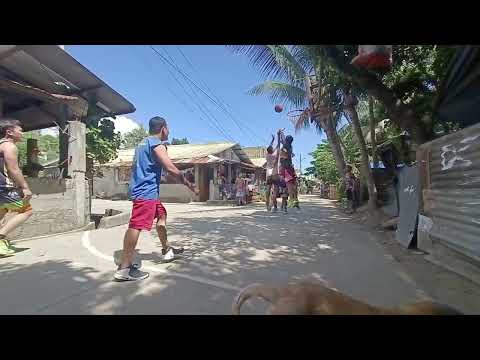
(226, 248)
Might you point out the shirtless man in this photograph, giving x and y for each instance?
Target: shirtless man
(272, 173)
(15, 193)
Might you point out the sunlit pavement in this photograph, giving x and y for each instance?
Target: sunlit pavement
(227, 248)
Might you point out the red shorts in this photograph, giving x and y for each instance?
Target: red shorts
(144, 212)
(288, 174)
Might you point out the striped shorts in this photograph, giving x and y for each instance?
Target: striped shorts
(12, 200)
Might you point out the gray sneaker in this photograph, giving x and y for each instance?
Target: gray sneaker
(130, 274)
(136, 262)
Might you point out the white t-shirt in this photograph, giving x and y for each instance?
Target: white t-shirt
(272, 163)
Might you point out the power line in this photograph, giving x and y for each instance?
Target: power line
(222, 104)
(183, 102)
(202, 107)
(204, 92)
(199, 106)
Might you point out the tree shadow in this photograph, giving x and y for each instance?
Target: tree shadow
(239, 249)
(258, 246)
(65, 287)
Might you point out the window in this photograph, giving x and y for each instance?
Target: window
(123, 174)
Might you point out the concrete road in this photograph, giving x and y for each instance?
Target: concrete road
(227, 248)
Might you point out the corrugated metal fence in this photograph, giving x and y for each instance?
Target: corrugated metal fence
(450, 175)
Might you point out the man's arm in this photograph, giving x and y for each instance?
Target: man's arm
(276, 153)
(162, 156)
(10, 153)
(271, 142)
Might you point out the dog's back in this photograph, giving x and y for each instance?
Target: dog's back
(313, 298)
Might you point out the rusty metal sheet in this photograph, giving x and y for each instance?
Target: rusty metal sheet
(409, 198)
(452, 196)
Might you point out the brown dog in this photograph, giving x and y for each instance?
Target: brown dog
(313, 298)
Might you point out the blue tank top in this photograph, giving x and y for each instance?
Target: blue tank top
(146, 171)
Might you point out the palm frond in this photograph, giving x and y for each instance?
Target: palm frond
(306, 56)
(273, 61)
(304, 121)
(280, 92)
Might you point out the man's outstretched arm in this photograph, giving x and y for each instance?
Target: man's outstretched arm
(167, 164)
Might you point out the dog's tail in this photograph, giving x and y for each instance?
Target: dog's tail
(429, 308)
(267, 293)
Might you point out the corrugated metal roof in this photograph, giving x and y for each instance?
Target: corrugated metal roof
(259, 162)
(255, 151)
(458, 97)
(50, 68)
(187, 154)
(79, 105)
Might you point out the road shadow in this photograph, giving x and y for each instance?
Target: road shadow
(257, 246)
(65, 287)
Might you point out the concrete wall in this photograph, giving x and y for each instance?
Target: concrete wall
(108, 186)
(59, 205)
(176, 193)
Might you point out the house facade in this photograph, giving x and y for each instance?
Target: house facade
(43, 86)
(202, 163)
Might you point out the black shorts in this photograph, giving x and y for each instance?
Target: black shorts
(349, 194)
(273, 180)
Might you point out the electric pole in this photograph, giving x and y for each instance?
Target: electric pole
(300, 163)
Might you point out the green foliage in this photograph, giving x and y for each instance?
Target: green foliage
(414, 78)
(176, 141)
(47, 144)
(351, 149)
(102, 140)
(134, 137)
(324, 167)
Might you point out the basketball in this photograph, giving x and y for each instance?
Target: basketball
(278, 108)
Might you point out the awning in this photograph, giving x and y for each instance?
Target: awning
(78, 105)
(459, 98)
(52, 69)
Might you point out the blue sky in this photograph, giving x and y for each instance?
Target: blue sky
(144, 79)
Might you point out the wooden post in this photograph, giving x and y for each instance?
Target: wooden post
(31, 157)
(229, 173)
(63, 139)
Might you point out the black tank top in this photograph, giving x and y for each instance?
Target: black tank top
(5, 181)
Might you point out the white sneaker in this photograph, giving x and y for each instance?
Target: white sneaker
(130, 274)
(169, 255)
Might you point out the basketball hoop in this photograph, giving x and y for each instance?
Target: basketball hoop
(295, 117)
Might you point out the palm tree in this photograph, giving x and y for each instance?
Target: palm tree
(349, 105)
(292, 68)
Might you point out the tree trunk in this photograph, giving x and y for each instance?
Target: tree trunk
(89, 174)
(334, 141)
(402, 115)
(373, 136)
(372, 190)
(329, 127)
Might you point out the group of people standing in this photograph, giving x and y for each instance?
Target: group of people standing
(238, 189)
(281, 176)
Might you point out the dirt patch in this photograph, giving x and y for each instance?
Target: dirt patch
(438, 283)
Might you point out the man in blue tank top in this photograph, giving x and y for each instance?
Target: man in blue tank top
(150, 158)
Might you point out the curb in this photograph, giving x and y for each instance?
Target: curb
(114, 220)
(90, 226)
